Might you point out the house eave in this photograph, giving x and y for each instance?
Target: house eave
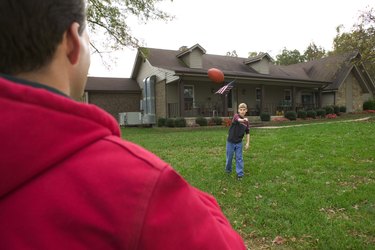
(266, 78)
(113, 91)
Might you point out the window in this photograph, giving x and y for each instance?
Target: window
(189, 97)
(287, 95)
(307, 99)
(258, 94)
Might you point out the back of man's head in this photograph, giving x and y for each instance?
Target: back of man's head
(30, 31)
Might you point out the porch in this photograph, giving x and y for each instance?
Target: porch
(189, 99)
(196, 110)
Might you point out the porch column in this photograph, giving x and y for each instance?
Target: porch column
(294, 95)
(263, 95)
(224, 99)
(181, 98)
(319, 98)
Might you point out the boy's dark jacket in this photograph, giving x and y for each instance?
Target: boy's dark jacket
(237, 130)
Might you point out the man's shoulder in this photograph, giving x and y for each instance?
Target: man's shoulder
(132, 150)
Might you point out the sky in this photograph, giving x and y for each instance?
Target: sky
(221, 26)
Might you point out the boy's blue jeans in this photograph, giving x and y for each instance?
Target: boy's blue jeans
(234, 148)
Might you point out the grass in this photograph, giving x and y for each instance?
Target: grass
(313, 186)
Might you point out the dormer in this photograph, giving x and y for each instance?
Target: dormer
(260, 63)
(192, 57)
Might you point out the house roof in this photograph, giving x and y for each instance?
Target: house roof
(329, 72)
(329, 69)
(231, 66)
(167, 59)
(111, 84)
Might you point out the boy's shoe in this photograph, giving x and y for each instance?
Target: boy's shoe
(239, 178)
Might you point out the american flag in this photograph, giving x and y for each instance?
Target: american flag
(226, 88)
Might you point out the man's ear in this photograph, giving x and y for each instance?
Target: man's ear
(73, 43)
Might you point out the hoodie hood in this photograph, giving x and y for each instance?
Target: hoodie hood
(40, 129)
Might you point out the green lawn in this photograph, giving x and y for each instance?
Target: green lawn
(314, 185)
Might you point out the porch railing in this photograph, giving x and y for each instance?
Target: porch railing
(195, 110)
(173, 110)
(216, 110)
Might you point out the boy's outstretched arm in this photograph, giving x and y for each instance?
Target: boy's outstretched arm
(247, 141)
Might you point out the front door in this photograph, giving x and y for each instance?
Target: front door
(189, 99)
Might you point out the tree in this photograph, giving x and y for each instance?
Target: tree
(288, 57)
(314, 52)
(233, 53)
(109, 17)
(360, 38)
(253, 54)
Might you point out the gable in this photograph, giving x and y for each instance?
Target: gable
(192, 57)
(260, 63)
(262, 66)
(365, 86)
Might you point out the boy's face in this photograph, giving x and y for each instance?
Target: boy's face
(242, 111)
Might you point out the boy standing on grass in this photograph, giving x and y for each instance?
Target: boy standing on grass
(240, 126)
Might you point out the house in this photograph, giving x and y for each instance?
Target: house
(181, 88)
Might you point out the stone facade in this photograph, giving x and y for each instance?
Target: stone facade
(350, 95)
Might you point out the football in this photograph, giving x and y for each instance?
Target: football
(216, 75)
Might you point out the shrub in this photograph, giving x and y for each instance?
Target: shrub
(265, 117)
(215, 121)
(201, 121)
(227, 122)
(331, 116)
(161, 122)
(311, 114)
(336, 110)
(211, 122)
(169, 122)
(301, 114)
(291, 115)
(329, 109)
(279, 119)
(369, 105)
(180, 122)
(218, 120)
(342, 109)
(321, 113)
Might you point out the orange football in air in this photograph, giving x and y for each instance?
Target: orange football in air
(216, 75)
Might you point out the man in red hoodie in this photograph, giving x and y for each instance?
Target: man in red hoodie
(67, 179)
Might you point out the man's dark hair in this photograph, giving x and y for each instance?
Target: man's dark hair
(30, 31)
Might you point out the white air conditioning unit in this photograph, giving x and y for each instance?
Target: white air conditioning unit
(121, 119)
(130, 118)
(149, 119)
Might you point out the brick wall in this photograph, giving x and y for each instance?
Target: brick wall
(115, 103)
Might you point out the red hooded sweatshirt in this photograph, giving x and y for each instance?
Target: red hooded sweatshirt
(67, 181)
